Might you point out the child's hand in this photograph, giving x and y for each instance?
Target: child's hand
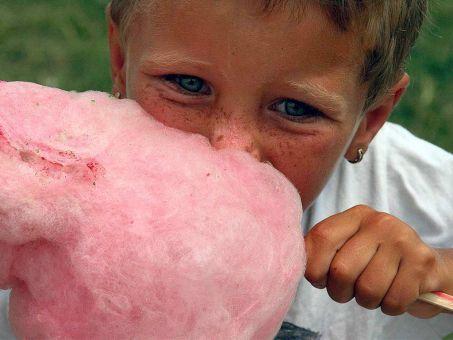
(378, 260)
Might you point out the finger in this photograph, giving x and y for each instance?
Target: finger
(423, 310)
(403, 291)
(347, 265)
(324, 240)
(374, 282)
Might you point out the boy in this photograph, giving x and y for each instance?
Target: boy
(301, 84)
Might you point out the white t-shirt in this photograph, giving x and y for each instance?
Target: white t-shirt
(402, 175)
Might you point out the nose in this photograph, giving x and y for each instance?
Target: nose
(230, 133)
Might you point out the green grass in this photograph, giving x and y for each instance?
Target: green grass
(448, 337)
(58, 43)
(427, 108)
(63, 43)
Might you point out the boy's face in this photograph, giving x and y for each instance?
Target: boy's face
(286, 91)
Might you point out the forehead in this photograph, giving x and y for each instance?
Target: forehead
(241, 39)
(258, 18)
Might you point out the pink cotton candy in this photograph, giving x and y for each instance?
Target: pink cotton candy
(114, 226)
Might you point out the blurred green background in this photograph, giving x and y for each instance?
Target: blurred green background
(62, 43)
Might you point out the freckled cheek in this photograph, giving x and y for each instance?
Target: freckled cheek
(170, 114)
(157, 108)
(307, 162)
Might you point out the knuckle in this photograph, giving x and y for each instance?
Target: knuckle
(320, 235)
(341, 273)
(403, 239)
(409, 234)
(361, 208)
(399, 242)
(381, 220)
(427, 256)
(380, 223)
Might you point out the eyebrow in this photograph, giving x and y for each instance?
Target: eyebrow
(330, 101)
(171, 59)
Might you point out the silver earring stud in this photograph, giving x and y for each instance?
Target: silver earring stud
(360, 154)
(117, 95)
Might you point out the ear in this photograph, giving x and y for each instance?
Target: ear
(375, 117)
(117, 61)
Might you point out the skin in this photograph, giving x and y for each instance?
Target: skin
(266, 85)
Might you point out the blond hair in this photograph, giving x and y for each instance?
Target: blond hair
(387, 30)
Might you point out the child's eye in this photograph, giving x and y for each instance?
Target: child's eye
(190, 85)
(295, 110)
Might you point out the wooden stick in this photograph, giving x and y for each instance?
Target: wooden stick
(439, 299)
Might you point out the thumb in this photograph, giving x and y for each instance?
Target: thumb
(423, 310)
